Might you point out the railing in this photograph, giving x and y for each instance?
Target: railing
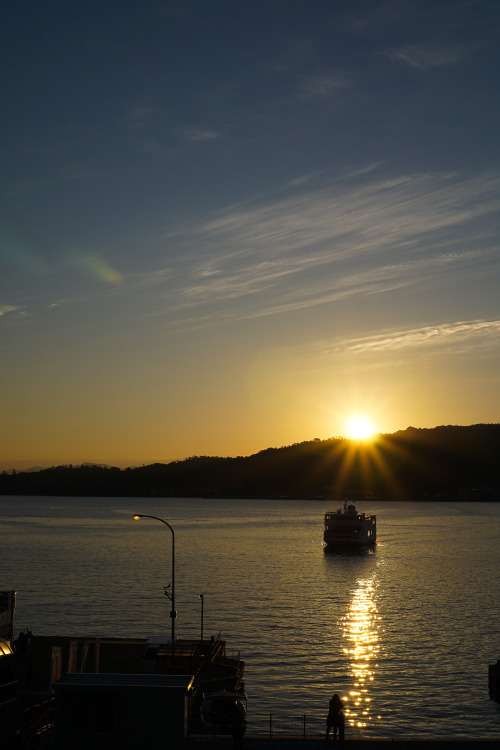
(35, 722)
(214, 648)
(285, 725)
(8, 692)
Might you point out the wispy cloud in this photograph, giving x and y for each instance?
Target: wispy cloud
(323, 85)
(425, 56)
(351, 219)
(22, 187)
(443, 335)
(324, 288)
(201, 134)
(370, 281)
(6, 309)
(376, 16)
(319, 85)
(319, 246)
(142, 115)
(13, 312)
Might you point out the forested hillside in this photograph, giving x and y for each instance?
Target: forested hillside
(445, 462)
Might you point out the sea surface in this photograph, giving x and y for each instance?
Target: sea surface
(404, 633)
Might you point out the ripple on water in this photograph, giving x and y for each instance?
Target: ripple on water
(404, 633)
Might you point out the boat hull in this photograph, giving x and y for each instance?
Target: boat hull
(348, 543)
(349, 528)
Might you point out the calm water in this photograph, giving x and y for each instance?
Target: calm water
(405, 633)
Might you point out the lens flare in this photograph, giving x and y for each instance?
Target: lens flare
(96, 267)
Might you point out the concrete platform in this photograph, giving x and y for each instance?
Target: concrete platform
(318, 743)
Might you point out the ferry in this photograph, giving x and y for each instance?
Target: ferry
(346, 527)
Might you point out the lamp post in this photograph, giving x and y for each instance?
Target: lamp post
(202, 602)
(173, 612)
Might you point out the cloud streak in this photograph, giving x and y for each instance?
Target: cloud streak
(327, 244)
(425, 56)
(13, 313)
(322, 86)
(201, 135)
(444, 335)
(380, 212)
(6, 309)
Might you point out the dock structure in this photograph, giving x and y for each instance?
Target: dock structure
(115, 668)
(41, 661)
(318, 743)
(82, 686)
(494, 681)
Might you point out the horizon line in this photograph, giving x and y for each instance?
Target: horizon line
(32, 465)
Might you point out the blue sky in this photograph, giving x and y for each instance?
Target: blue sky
(233, 225)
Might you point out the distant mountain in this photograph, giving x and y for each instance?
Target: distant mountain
(31, 469)
(24, 471)
(446, 462)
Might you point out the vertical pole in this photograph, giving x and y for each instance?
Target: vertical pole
(173, 612)
(202, 602)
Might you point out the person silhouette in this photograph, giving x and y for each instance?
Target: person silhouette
(335, 719)
(239, 726)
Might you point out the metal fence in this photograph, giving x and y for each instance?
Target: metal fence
(37, 724)
(286, 725)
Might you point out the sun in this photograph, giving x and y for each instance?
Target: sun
(360, 428)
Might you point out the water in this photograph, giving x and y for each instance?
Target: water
(404, 633)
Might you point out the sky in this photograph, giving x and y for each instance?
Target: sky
(232, 225)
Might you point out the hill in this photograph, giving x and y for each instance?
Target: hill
(446, 462)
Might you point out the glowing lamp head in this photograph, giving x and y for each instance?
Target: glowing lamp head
(137, 517)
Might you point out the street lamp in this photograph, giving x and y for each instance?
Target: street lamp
(202, 601)
(173, 612)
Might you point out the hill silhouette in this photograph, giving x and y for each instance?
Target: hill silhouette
(446, 462)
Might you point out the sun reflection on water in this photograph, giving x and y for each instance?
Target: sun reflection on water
(362, 646)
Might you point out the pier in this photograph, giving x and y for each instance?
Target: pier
(90, 665)
(318, 743)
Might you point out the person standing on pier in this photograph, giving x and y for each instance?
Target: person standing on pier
(335, 718)
(239, 727)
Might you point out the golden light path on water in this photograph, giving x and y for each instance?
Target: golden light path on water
(362, 646)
